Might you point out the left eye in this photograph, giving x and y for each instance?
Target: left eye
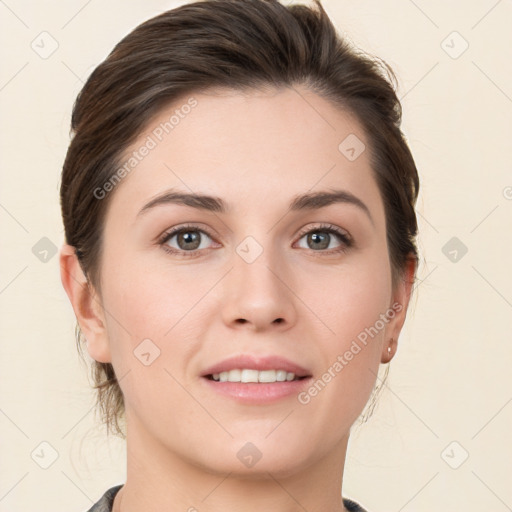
(320, 239)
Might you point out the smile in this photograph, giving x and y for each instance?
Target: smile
(247, 375)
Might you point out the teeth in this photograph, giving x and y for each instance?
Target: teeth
(281, 375)
(267, 376)
(247, 375)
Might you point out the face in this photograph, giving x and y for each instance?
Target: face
(265, 268)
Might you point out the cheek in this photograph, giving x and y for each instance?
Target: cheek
(152, 322)
(351, 301)
(148, 299)
(352, 306)
(145, 324)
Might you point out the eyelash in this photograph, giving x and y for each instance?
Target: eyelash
(345, 239)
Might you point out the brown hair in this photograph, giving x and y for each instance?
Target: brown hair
(237, 44)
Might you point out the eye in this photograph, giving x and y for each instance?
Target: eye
(189, 240)
(185, 240)
(321, 238)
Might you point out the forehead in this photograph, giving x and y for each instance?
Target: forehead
(247, 147)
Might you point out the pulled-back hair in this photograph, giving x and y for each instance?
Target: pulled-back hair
(239, 45)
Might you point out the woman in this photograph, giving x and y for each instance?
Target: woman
(238, 202)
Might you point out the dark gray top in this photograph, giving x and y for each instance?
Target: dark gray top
(107, 500)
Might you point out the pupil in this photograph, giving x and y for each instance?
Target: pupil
(323, 239)
(190, 240)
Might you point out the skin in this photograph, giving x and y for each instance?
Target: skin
(256, 151)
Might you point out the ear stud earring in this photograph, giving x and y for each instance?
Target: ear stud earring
(389, 349)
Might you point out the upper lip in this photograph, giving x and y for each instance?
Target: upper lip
(259, 363)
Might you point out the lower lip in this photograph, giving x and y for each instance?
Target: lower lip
(257, 393)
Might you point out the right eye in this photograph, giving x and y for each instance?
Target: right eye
(185, 241)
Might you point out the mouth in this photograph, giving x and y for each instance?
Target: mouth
(256, 379)
(248, 375)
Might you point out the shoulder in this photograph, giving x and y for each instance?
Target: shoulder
(352, 506)
(106, 501)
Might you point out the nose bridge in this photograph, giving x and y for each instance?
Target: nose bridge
(257, 293)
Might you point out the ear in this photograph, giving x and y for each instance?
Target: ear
(399, 304)
(86, 304)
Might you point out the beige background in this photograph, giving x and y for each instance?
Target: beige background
(451, 379)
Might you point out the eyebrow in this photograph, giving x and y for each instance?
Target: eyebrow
(308, 201)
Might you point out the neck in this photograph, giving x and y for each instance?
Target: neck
(159, 479)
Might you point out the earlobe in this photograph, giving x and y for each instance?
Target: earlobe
(86, 304)
(389, 351)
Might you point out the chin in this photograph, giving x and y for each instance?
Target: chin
(256, 458)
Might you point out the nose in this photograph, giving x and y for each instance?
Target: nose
(258, 295)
